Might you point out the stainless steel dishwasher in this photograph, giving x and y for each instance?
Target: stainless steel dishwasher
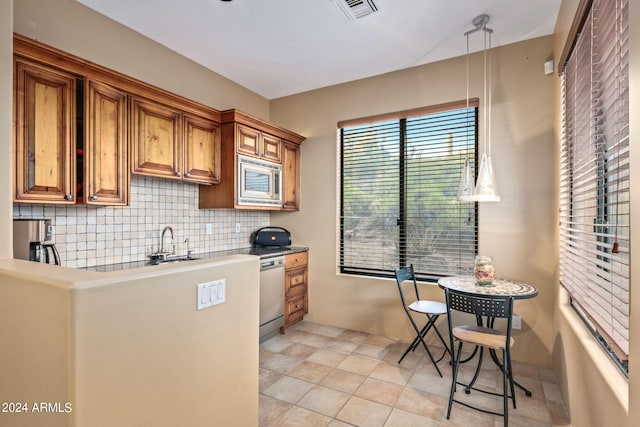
(271, 296)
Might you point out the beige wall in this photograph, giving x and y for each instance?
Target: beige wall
(130, 350)
(161, 362)
(6, 113)
(34, 357)
(517, 232)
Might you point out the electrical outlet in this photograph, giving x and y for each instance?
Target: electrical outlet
(208, 230)
(516, 322)
(237, 227)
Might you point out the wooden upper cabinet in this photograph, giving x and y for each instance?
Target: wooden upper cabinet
(156, 143)
(242, 134)
(170, 143)
(202, 150)
(247, 140)
(45, 162)
(271, 148)
(254, 143)
(105, 147)
(72, 114)
(291, 176)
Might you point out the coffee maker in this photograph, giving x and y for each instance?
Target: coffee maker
(33, 241)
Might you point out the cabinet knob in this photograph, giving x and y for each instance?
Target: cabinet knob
(94, 197)
(69, 197)
(178, 173)
(284, 205)
(187, 175)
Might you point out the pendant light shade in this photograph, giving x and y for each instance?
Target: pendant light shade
(485, 189)
(466, 191)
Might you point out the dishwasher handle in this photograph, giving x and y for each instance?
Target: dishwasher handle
(270, 263)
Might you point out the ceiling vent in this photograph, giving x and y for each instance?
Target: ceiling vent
(356, 9)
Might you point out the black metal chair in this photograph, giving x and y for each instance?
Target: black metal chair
(431, 309)
(482, 337)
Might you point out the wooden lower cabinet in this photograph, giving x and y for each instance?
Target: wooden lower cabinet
(296, 292)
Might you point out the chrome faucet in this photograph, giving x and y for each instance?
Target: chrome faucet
(173, 246)
(188, 248)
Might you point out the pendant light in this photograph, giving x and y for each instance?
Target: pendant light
(485, 189)
(466, 190)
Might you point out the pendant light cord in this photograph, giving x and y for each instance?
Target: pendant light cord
(490, 100)
(467, 124)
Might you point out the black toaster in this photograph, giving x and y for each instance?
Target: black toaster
(272, 236)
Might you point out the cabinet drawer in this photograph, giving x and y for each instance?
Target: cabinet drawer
(296, 281)
(296, 306)
(299, 259)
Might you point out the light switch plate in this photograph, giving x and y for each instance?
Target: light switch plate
(210, 293)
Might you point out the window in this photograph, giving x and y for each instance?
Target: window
(399, 180)
(594, 172)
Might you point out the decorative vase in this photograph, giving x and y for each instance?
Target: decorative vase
(484, 272)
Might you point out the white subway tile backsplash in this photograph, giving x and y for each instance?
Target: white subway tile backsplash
(87, 236)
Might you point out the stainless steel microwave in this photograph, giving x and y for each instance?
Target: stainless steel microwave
(259, 182)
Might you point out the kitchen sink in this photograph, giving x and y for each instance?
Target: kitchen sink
(158, 261)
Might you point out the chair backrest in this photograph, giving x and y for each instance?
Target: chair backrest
(488, 306)
(403, 274)
(482, 306)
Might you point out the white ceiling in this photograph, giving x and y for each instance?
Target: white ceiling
(283, 47)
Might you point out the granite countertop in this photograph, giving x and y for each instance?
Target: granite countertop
(262, 252)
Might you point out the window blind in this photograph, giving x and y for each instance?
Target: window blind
(594, 172)
(399, 182)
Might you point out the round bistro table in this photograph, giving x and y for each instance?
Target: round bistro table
(499, 287)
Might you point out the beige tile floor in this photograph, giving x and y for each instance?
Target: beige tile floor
(318, 375)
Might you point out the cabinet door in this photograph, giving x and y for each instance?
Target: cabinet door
(106, 177)
(45, 164)
(202, 150)
(271, 148)
(291, 176)
(155, 139)
(247, 141)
